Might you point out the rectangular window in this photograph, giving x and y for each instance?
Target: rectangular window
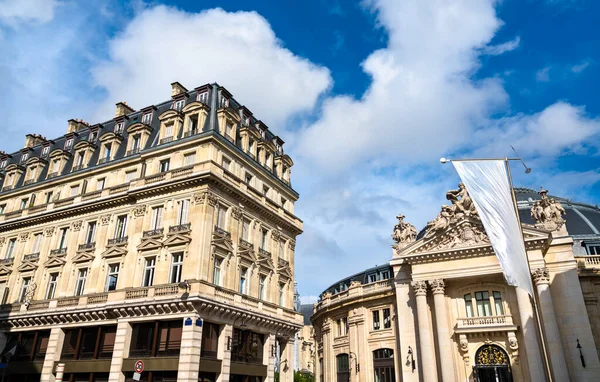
(263, 238)
(90, 235)
(483, 304)
(48, 197)
(51, 288)
(3, 163)
(74, 190)
(593, 249)
(246, 229)
(130, 175)
(342, 326)
(243, 275)
(10, 249)
(62, 241)
(281, 294)
(178, 105)
(164, 165)
(68, 144)
(112, 277)
(376, 324)
(169, 130)
(210, 341)
(80, 157)
(147, 118)
(24, 288)
(202, 97)
(217, 271)
(184, 210)
(229, 130)
(93, 136)
(226, 164)
(468, 305)
(221, 214)
(2, 208)
(176, 267)
(107, 150)
(251, 147)
(23, 204)
(55, 165)
(45, 151)
(121, 227)
(37, 240)
(282, 249)
(119, 127)
(100, 185)
(32, 172)
(248, 179)
(189, 159)
(157, 217)
(262, 287)
(149, 266)
(387, 320)
(80, 284)
(372, 278)
(498, 303)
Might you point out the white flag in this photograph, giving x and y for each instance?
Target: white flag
(488, 185)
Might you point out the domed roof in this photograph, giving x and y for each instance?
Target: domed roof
(581, 219)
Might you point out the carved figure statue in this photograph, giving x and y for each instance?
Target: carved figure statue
(461, 201)
(547, 213)
(404, 232)
(441, 221)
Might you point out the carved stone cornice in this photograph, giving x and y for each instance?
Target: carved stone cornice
(437, 286)
(139, 210)
(48, 231)
(541, 276)
(420, 287)
(105, 219)
(76, 226)
(23, 237)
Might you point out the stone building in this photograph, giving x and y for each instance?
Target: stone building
(445, 313)
(165, 235)
(305, 343)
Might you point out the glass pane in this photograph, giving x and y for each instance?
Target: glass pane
(498, 303)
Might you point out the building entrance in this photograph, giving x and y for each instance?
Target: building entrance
(492, 365)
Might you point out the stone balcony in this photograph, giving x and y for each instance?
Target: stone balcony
(502, 323)
(356, 291)
(588, 264)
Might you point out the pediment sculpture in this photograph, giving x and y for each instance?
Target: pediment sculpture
(404, 232)
(547, 212)
(462, 206)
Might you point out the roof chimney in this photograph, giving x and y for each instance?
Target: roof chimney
(32, 140)
(177, 88)
(72, 125)
(123, 109)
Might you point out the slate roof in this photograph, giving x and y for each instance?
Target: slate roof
(363, 277)
(306, 310)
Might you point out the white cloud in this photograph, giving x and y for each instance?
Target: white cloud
(581, 66)
(543, 75)
(239, 50)
(495, 50)
(15, 12)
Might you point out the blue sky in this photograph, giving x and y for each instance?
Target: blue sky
(367, 95)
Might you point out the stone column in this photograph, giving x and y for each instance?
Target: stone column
(55, 345)
(286, 368)
(426, 355)
(224, 354)
(268, 353)
(191, 344)
(535, 361)
(541, 276)
(443, 333)
(120, 351)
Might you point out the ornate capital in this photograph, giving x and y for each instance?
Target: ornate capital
(276, 234)
(236, 213)
(139, 210)
(420, 287)
(49, 231)
(77, 225)
(292, 245)
(212, 198)
(23, 237)
(105, 219)
(198, 197)
(437, 286)
(541, 276)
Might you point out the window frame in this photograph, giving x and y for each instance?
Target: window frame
(80, 281)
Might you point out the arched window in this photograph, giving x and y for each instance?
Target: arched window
(383, 364)
(343, 368)
(492, 364)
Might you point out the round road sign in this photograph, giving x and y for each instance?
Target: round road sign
(139, 366)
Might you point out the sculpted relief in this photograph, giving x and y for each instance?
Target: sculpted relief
(547, 213)
(404, 232)
(462, 206)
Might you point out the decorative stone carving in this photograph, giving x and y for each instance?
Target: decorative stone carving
(236, 213)
(276, 234)
(292, 245)
(23, 237)
(541, 276)
(105, 219)
(30, 292)
(198, 197)
(139, 210)
(56, 197)
(77, 225)
(2, 241)
(355, 284)
(462, 206)
(463, 344)
(49, 231)
(404, 232)
(548, 213)
(420, 287)
(513, 345)
(437, 286)
(212, 199)
(465, 233)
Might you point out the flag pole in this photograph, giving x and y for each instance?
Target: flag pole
(534, 301)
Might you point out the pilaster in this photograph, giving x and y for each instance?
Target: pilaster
(224, 353)
(426, 346)
(120, 351)
(191, 345)
(443, 332)
(55, 345)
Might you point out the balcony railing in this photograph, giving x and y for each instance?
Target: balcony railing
(28, 182)
(103, 160)
(58, 251)
(64, 202)
(132, 151)
(7, 188)
(7, 261)
(136, 293)
(468, 322)
(32, 257)
(77, 167)
(283, 263)
(153, 232)
(13, 214)
(118, 240)
(155, 178)
(182, 171)
(246, 244)
(39, 208)
(166, 140)
(67, 301)
(180, 227)
(590, 261)
(264, 253)
(53, 175)
(86, 246)
(189, 133)
(221, 232)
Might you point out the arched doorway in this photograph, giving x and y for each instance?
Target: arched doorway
(492, 365)
(383, 364)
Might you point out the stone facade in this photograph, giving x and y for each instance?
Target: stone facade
(454, 316)
(166, 235)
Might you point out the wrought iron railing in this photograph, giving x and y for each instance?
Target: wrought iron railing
(180, 227)
(32, 257)
(153, 232)
(118, 240)
(246, 244)
(220, 231)
(264, 253)
(166, 140)
(59, 251)
(86, 246)
(132, 151)
(53, 175)
(191, 132)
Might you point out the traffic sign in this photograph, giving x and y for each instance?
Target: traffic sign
(139, 366)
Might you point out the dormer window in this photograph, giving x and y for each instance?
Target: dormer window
(55, 165)
(147, 118)
(178, 105)
(93, 136)
(229, 130)
(119, 127)
(224, 102)
(202, 97)
(246, 121)
(24, 157)
(68, 144)
(251, 147)
(3, 164)
(45, 151)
